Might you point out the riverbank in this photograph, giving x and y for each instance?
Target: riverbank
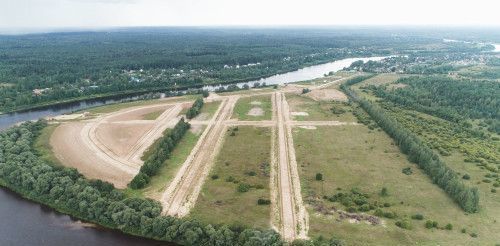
(211, 87)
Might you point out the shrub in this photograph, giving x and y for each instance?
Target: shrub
(243, 187)
(263, 201)
(384, 192)
(215, 176)
(351, 210)
(493, 191)
(407, 171)
(386, 204)
(473, 234)
(463, 230)
(449, 227)
(251, 173)
(319, 176)
(139, 181)
(417, 217)
(390, 215)
(429, 224)
(405, 224)
(305, 90)
(466, 177)
(230, 179)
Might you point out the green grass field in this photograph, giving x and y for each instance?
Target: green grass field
(208, 109)
(245, 104)
(243, 159)
(318, 110)
(356, 157)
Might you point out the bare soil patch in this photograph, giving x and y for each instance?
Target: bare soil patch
(137, 114)
(308, 127)
(70, 149)
(327, 95)
(256, 111)
(256, 103)
(120, 138)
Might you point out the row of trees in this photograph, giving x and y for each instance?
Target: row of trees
(93, 200)
(466, 197)
(161, 152)
(195, 109)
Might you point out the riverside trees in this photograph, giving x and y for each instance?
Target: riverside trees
(93, 200)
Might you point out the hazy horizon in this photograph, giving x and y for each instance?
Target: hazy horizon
(25, 16)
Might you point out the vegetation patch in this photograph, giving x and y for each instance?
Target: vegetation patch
(238, 195)
(247, 109)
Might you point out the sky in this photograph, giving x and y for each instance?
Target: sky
(46, 14)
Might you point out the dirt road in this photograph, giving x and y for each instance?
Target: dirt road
(181, 194)
(294, 219)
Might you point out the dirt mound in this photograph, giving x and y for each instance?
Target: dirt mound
(327, 95)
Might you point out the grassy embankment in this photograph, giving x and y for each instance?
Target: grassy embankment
(243, 160)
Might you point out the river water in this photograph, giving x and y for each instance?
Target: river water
(28, 223)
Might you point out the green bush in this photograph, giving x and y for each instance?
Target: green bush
(215, 176)
(319, 176)
(243, 187)
(417, 217)
(466, 177)
(449, 227)
(407, 171)
(405, 224)
(384, 192)
(431, 224)
(263, 201)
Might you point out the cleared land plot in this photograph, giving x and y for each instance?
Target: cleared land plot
(253, 108)
(109, 147)
(72, 151)
(118, 106)
(355, 157)
(303, 108)
(243, 159)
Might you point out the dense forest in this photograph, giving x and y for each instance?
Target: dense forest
(46, 68)
(451, 99)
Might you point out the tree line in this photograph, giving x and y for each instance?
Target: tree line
(195, 109)
(161, 152)
(466, 197)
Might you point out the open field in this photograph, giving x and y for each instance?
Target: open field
(303, 108)
(334, 152)
(253, 108)
(244, 159)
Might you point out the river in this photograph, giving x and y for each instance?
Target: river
(28, 223)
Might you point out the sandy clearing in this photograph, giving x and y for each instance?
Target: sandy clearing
(256, 111)
(256, 103)
(120, 138)
(109, 147)
(327, 95)
(181, 194)
(70, 149)
(299, 113)
(136, 113)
